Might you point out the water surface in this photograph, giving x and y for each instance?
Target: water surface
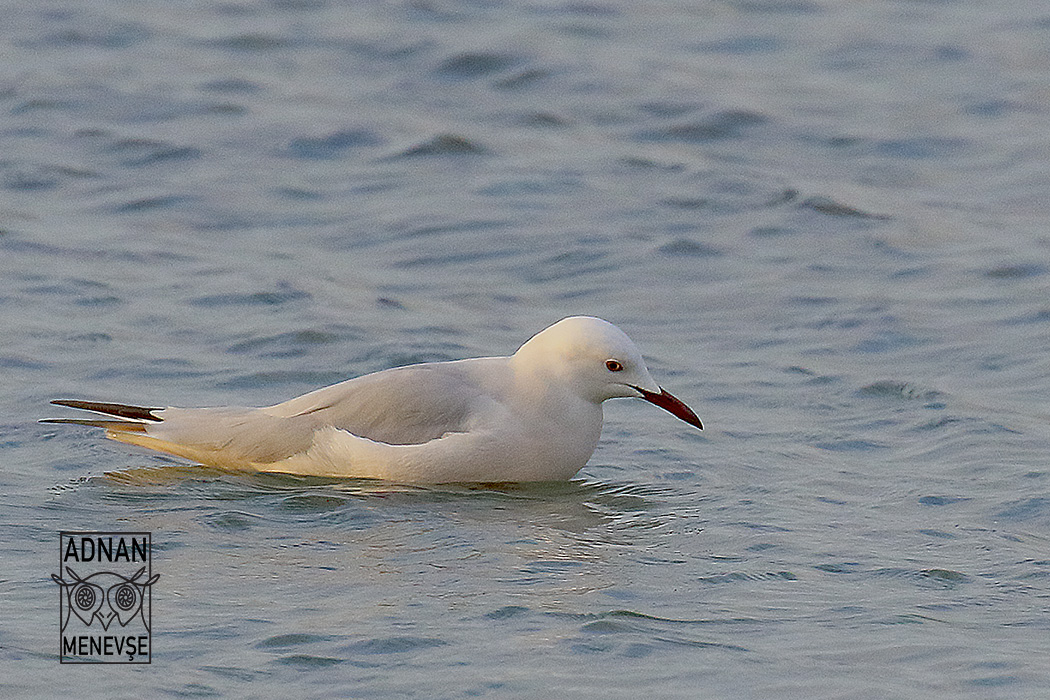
(823, 223)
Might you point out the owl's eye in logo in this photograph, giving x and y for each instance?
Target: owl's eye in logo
(125, 596)
(84, 595)
(85, 599)
(125, 600)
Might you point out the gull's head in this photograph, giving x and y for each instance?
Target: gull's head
(597, 361)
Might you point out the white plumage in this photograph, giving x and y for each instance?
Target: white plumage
(533, 416)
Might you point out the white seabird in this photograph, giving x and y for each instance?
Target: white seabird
(533, 416)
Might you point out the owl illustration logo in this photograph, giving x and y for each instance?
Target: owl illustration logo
(104, 596)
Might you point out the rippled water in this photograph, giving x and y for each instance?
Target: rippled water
(825, 224)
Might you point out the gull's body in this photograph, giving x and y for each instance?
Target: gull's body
(533, 416)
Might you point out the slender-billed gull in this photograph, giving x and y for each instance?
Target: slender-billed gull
(533, 416)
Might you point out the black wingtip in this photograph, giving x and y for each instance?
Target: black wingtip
(112, 409)
(118, 426)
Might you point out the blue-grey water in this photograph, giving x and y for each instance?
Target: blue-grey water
(824, 223)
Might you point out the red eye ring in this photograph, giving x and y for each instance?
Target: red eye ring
(613, 365)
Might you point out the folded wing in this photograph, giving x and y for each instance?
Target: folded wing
(402, 406)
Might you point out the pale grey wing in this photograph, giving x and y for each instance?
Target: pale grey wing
(401, 406)
(238, 434)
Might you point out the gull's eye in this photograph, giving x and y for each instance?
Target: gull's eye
(613, 365)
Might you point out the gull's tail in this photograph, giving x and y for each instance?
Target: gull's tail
(228, 437)
(131, 424)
